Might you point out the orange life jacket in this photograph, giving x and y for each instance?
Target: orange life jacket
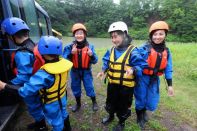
(157, 62)
(81, 60)
(38, 62)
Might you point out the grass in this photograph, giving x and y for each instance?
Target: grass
(174, 113)
(183, 104)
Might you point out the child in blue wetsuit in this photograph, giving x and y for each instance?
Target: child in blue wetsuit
(50, 81)
(121, 64)
(23, 59)
(83, 55)
(49, 85)
(159, 61)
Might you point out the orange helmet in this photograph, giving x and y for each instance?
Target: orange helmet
(159, 25)
(78, 26)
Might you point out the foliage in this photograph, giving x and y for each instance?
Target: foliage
(97, 15)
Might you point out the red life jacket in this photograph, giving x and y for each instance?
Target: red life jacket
(81, 60)
(38, 62)
(157, 62)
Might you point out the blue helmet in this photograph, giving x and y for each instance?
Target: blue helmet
(50, 45)
(13, 25)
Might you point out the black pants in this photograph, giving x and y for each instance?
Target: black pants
(119, 99)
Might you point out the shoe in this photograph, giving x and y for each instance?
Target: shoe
(107, 119)
(95, 106)
(119, 127)
(40, 126)
(145, 116)
(76, 108)
(140, 118)
(31, 126)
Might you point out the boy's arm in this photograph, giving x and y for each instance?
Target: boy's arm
(41, 79)
(169, 70)
(67, 52)
(9, 87)
(137, 62)
(24, 64)
(94, 57)
(105, 65)
(106, 59)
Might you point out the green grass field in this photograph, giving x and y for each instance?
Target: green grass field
(178, 112)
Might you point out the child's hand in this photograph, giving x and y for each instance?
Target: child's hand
(170, 91)
(90, 52)
(101, 75)
(74, 49)
(2, 85)
(129, 71)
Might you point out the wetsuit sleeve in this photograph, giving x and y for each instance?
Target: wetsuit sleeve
(169, 69)
(12, 88)
(67, 52)
(39, 80)
(94, 57)
(137, 62)
(24, 63)
(106, 59)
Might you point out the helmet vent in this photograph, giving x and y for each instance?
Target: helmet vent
(58, 47)
(46, 46)
(13, 23)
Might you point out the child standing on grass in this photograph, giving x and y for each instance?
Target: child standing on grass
(159, 61)
(121, 64)
(83, 55)
(49, 85)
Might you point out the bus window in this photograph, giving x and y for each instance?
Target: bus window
(31, 18)
(15, 8)
(42, 23)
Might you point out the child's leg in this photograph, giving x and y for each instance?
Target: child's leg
(53, 115)
(153, 96)
(76, 82)
(67, 126)
(35, 110)
(65, 115)
(76, 88)
(125, 101)
(89, 87)
(110, 103)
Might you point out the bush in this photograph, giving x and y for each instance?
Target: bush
(140, 34)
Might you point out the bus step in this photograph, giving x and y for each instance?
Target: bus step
(6, 113)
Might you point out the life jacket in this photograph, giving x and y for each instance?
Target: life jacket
(81, 60)
(58, 89)
(38, 62)
(116, 73)
(157, 62)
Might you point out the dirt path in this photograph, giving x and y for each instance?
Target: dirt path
(87, 120)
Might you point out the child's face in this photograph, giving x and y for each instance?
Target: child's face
(116, 39)
(79, 35)
(158, 36)
(47, 57)
(18, 40)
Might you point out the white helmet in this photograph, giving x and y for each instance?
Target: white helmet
(118, 26)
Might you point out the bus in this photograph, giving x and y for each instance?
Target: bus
(38, 21)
